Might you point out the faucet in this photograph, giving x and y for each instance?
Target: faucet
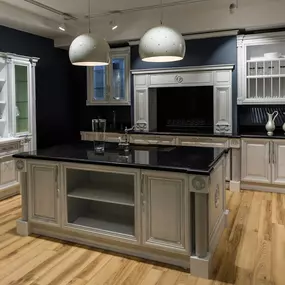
(124, 141)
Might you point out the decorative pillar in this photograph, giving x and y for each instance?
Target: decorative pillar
(236, 165)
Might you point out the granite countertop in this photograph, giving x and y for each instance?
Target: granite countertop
(194, 160)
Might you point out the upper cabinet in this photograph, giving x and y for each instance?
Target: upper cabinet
(261, 69)
(110, 85)
(17, 98)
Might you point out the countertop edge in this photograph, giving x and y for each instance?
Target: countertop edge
(119, 164)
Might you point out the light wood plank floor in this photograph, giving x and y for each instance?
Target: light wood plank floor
(251, 251)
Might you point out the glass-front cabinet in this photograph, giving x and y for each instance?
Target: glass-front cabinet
(261, 69)
(110, 85)
(17, 99)
(22, 99)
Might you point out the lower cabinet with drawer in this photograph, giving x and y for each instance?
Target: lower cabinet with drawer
(9, 181)
(263, 164)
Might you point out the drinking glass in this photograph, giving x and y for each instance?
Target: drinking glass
(99, 126)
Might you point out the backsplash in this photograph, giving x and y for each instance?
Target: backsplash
(253, 118)
(122, 117)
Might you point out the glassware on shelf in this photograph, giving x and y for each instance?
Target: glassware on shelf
(17, 112)
(117, 81)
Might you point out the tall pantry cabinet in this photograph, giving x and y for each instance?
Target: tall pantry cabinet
(17, 115)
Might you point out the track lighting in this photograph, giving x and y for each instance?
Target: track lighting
(113, 25)
(62, 27)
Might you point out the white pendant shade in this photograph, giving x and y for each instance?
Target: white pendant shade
(162, 44)
(89, 50)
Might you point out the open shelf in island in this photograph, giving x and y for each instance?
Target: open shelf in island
(112, 226)
(108, 195)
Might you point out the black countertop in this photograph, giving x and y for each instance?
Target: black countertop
(194, 160)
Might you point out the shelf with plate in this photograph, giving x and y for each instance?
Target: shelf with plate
(261, 69)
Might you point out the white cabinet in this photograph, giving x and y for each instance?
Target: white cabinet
(165, 211)
(43, 185)
(255, 155)
(9, 184)
(261, 76)
(8, 173)
(263, 161)
(146, 83)
(17, 97)
(110, 84)
(278, 161)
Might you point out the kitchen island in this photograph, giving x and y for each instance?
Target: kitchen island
(163, 203)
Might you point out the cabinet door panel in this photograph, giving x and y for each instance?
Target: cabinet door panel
(8, 173)
(278, 160)
(43, 193)
(165, 212)
(256, 166)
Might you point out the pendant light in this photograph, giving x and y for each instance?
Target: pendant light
(89, 49)
(162, 44)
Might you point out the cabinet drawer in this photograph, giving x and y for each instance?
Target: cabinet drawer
(203, 142)
(9, 148)
(186, 78)
(147, 139)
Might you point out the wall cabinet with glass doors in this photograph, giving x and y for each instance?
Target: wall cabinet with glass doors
(110, 85)
(261, 68)
(17, 116)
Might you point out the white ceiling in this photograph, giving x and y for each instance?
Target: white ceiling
(200, 16)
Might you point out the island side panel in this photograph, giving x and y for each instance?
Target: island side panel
(208, 218)
(217, 204)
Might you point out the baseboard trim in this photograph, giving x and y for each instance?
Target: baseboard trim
(119, 247)
(23, 228)
(262, 187)
(235, 186)
(201, 267)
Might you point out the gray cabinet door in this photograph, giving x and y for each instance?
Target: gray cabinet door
(256, 161)
(165, 211)
(44, 192)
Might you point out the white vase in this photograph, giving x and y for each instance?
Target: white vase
(270, 126)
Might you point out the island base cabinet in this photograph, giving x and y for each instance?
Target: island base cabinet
(43, 193)
(165, 211)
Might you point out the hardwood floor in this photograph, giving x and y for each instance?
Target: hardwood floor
(251, 251)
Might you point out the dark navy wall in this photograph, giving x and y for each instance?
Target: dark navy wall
(199, 52)
(55, 96)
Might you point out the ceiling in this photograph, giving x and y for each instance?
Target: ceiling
(191, 16)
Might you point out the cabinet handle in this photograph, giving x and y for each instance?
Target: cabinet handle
(142, 191)
(56, 181)
(273, 150)
(269, 160)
